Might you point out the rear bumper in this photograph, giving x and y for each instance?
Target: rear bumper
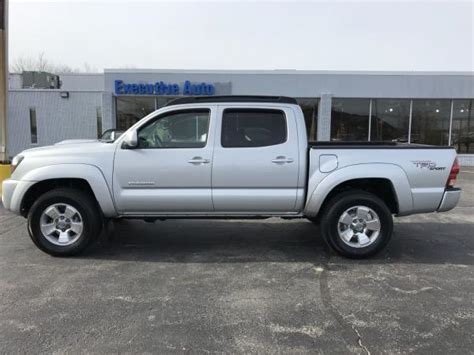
(450, 199)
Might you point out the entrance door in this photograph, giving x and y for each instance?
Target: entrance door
(256, 159)
(170, 170)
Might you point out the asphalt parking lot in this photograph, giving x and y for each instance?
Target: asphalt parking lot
(242, 286)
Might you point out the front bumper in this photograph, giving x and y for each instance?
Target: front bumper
(13, 192)
(450, 199)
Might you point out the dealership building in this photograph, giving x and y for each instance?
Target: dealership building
(412, 107)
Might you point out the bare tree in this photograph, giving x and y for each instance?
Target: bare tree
(89, 68)
(41, 63)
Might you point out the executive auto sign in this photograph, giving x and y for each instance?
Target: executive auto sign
(162, 88)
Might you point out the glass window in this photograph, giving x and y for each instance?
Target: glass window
(462, 133)
(33, 126)
(131, 109)
(180, 129)
(163, 100)
(309, 106)
(99, 121)
(430, 122)
(350, 119)
(390, 120)
(253, 128)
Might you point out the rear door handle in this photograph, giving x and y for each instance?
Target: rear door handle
(282, 160)
(198, 160)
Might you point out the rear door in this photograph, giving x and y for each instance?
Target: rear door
(255, 164)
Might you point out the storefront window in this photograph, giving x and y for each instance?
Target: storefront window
(390, 120)
(430, 122)
(131, 109)
(350, 119)
(309, 106)
(162, 101)
(462, 134)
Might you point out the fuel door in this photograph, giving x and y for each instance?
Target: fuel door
(327, 163)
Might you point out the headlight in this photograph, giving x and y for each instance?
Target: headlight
(15, 162)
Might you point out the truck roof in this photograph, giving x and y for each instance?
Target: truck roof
(232, 98)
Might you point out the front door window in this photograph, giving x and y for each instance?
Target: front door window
(183, 129)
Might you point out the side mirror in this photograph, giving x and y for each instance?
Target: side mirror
(130, 140)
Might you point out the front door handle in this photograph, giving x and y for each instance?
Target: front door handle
(198, 161)
(282, 160)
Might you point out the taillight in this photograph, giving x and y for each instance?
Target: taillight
(453, 174)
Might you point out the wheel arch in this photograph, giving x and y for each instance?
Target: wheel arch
(387, 181)
(83, 177)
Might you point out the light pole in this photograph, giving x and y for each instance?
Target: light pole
(3, 79)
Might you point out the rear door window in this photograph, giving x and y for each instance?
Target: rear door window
(244, 128)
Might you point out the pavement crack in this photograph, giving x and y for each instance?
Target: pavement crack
(359, 340)
(410, 292)
(349, 332)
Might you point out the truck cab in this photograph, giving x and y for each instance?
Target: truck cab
(223, 158)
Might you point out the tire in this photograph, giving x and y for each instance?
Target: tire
(70, 218)
(356, 224)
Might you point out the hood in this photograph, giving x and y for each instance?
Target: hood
(75, 147)
(74, 141)
(99, 154)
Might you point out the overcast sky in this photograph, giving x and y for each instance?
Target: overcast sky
(320, 35)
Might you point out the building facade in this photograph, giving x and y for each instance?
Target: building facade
(414, 107)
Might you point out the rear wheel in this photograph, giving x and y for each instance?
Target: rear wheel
(64, 222)
(356, 224)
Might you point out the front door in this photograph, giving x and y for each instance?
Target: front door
(170, 170)
(256, 156)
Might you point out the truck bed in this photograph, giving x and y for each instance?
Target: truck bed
(372, 145)
(417, 173)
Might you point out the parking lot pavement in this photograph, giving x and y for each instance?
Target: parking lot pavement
(242, 286)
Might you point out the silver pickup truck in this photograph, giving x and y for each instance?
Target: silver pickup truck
(228, 157)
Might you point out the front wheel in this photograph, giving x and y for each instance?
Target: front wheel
(64, 221)
(356, 224)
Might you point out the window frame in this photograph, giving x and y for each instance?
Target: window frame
(247, 108)
(373, 108)
(453, 127)
(448, 118)
(172, 112)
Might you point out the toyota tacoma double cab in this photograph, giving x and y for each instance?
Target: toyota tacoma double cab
(228, 157)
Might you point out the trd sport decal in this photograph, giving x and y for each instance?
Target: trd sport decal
(428, 164)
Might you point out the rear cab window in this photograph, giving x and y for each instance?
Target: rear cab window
(253, 127)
